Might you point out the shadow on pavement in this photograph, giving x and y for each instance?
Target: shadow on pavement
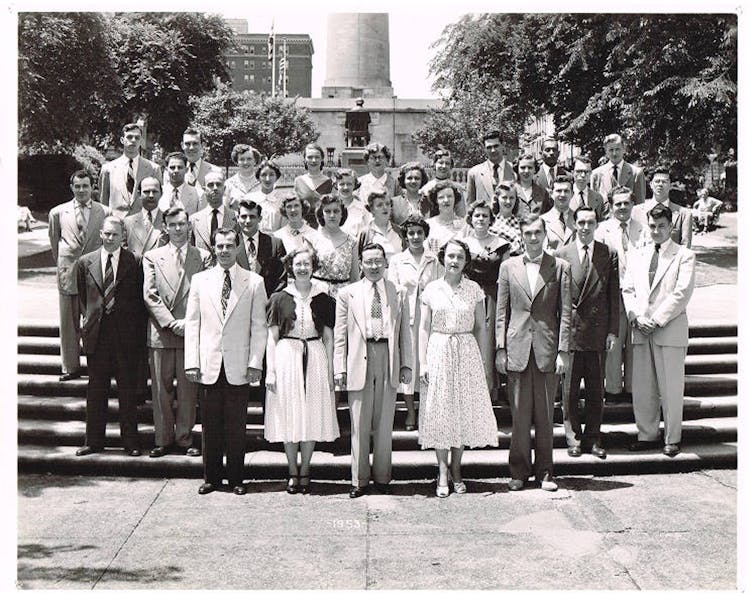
(36, 261)
(34, 485)
(88, 575)
(588, 484)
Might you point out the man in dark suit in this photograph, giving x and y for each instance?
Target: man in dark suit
(549, 170)
(214, 215)
(533, 333)
(682, 219)
(482, 179)
(617, 172)
(583, 194)
(560, 228)
(167, 277)
(260, 252)
(595, 291)
(74, 229)
(110, 288)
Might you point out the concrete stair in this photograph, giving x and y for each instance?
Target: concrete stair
(51, 425)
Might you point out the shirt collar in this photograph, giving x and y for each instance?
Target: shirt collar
(664, 246)
(116, 257)
(581, 245)
(619, 164)
(380, 284)
(537, 260)
(86, 205)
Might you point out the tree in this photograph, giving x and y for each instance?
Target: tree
(274, 126)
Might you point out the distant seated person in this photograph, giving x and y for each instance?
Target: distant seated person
(25, 219)
(705, 211)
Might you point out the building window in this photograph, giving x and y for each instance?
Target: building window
(248, 78)
(251, 65)
(251, 49)
(231, 63)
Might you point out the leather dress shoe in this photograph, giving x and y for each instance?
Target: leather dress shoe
(547, 483)
(206, 488)
(192, 451)
(642, 445)
(357, 492)
(87, 450)
(516, 485)
(574, 451)
(69, 376)
(133, 452)
(158, 451)
(382, 488)
(671, 450)
(239, 490)
(599, 452)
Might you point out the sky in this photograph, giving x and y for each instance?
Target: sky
(412, 32)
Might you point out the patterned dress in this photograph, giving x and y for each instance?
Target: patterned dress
(335, 264)
(455, 408)
(507, 228)
(237, 188)
(440, 231)
(302, 406)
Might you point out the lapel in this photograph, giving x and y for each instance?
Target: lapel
(153, 237)
(546, 271)
(577, 270)
(168, 270)
(663, 264)
(358, 309)
(243, 256)
(264, 250)
(124, 263)
(599, 256)
(240, 285)
(95, 270)
(203, 226)
(486, 176)
(140, 231)
(392, 308)
(119, 174)
(214, 283)
(519, 274)
(192, 264)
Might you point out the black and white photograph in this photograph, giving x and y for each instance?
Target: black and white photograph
(408, 296)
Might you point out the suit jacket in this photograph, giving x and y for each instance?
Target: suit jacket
(555, 236)
(596, 298)
(140, 237)
(593, 199)
(479, 180)
(541, 179)
(66, 244)
(350, 334)
(166, 291)
(129, 303)
(538, 194)
(269, 262)
(609, 232)
(666, 299)
(113, 189)
(630, 176)
(190, 198)
(201, 225)
(682, 221)
(236, 341)
(201, 172)
(539, 321)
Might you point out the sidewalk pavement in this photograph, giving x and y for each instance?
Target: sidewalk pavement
(627, 532)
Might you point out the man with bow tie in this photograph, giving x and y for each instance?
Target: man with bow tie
(73, 230)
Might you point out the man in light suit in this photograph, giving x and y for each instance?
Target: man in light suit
(119, 179)
(682, 223)
(623, 234)
(482, 179)
(617, 172)
(533, 335)
(110, 288)
(657, 288)
(177, 192)
(196, 167)
(585, 196)
(144, 230)
(373, 354)
(532, 198)
(214, 215)
(225, 338)
(73, 230)
(549, 171)
(595, 293)
(259, 251)
(560, 227)
(167, 277)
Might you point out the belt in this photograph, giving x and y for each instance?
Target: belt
(377, 340)
(305, 354)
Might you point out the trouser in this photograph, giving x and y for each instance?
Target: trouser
(659, 376)
(223, 408)
(372, 413)
(619, 361)
(70, 345)
(168, 364)
(532, 396)
(111, 358)
(590, 366)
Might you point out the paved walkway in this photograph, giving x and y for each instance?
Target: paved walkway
(628, 532)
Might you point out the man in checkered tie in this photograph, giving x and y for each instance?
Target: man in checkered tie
(110, 289)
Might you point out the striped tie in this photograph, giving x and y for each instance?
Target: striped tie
(226, 292)
(174, 200)
(81, 221)
(109, 285)
(130, 177)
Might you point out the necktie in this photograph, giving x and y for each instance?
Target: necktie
(583, 200)
(295, 232)
(624, 235)
(252, 248)
(179, 259)
(81, 221)
(213, 224)
(130, 176)
(495, 175)
(562, 220)
(376, 312)
(615, 176)
(149, 216)
(550, 177)
(226, 292)
(587, 262)
(174, 200)
(653, 264)
(191, 177)
(109, 285)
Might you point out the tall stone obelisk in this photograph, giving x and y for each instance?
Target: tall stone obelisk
(358, 56)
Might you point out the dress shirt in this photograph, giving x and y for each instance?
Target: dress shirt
(663, 246)
(255, 238)
(182, 249)
(532, 270)
(582, 195)
(134, 167)
(389, 240)
(167, 197)
(221, 278)
(85, 208)
(580, 248)
(368, 296)
(116, 260)
(620, 168)
(145, 214)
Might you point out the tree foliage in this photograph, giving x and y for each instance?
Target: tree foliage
(274, 126)
(668, 83)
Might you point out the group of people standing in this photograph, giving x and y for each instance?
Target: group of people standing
(374, 286)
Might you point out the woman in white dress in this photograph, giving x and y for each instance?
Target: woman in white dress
(336, 250)
(300, 402)
(267, 197)
(296, 230)
(243, 183)
(454, 408)
(445, 224)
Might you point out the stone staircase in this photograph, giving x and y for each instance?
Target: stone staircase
(51, 423)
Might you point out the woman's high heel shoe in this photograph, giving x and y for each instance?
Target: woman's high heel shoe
(292, 487)
(442, 491)
(303, 484)
(458, 486)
